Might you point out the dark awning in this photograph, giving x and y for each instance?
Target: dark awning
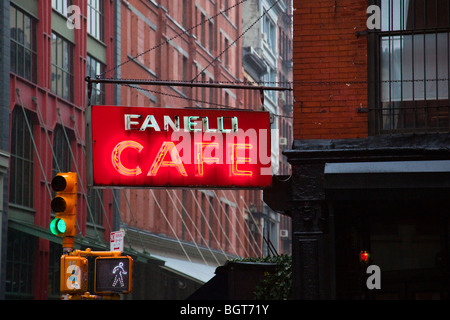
(407, 177)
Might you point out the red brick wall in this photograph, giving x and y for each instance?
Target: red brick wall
(330, 69)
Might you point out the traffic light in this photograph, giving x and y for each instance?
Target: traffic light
(113, 275)
(364, 257)
(74, 274)
(64, 204)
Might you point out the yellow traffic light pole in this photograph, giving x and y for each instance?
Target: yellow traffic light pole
(89, 253)
(74, 264)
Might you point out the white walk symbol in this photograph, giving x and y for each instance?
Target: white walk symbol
(118, 271)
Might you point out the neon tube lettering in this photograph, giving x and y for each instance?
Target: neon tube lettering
(235, 160)
(116, 154)
(201, 159)
(159, 162)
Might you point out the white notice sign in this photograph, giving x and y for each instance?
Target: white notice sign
(116, 240)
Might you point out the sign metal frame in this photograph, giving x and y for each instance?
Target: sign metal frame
(124, 123)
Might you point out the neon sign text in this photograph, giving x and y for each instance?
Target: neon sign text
(191, 123)
(169, 148)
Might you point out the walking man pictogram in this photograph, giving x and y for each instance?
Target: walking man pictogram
(118, 271)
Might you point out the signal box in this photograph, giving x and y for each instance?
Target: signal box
(74, 274)
(113, 275)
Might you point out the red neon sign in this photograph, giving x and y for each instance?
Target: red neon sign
(161, 147)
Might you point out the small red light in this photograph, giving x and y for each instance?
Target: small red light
(364, 256)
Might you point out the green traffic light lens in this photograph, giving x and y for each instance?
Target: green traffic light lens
(58, 226)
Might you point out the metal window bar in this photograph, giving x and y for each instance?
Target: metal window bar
(417, 102)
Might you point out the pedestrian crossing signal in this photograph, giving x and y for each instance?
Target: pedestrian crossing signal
(113, 275)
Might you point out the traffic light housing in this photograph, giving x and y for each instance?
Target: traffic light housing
(64, 204)
(73, 274)
(113, 275)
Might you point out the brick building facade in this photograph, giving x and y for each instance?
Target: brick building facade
(330, 70)
(46, 62)
(370, 154)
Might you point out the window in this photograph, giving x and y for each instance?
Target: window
(95, 214)
(184, 13)
(61, 6)
(211, 94)
(270, 79)
(226, 54)
(202, 30)
(183, 215)
(269, 29)
(95, 19)
(185, 72)
(61, 67)
(23, 44)
(54, 271)
(62, 160)
(227, 222)
(211, 36)
(94, 68)
(19, 265)
(414, 67)
(225, 7)
(22, 155)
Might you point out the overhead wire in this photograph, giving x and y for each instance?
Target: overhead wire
(189, 232)
(237, 39)
(196, 229)
(208, 224)
(186, 31)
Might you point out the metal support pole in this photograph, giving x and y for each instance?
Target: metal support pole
(186, 84)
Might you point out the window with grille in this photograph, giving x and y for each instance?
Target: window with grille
(413, 66)
(23, 44)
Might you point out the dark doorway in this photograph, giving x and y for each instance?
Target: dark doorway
(408, 240)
